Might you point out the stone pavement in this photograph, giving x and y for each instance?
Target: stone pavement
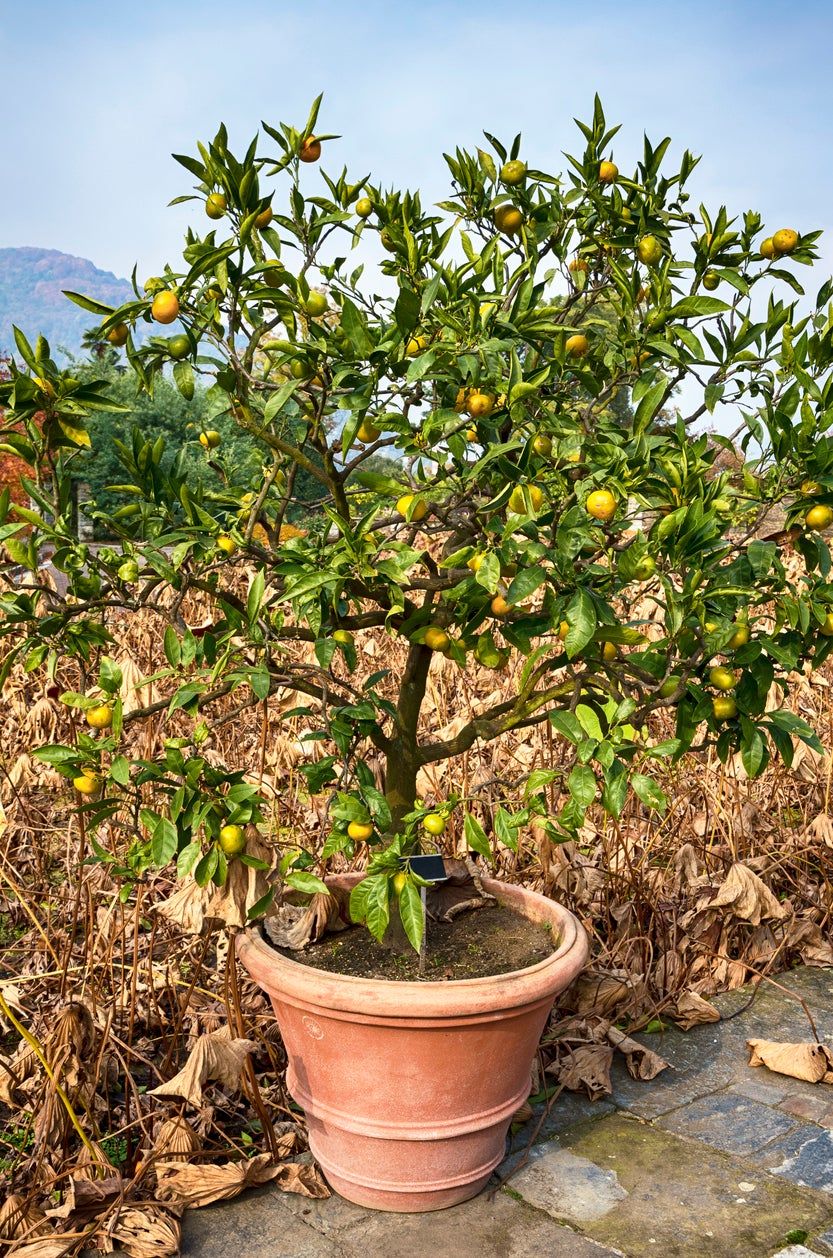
(712, 1159)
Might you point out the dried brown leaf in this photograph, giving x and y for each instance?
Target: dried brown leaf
(147, 1232)
(811, 1062)
(641, 1062)
(217, 1056)
(199, 1185)
(692, 1009)
(747, 896)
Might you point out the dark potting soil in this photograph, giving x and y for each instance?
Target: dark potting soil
(479, 943)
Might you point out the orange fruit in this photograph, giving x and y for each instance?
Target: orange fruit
(500, 607)
(315, 304)
(767, 249)
(99, 717)
(819, 517)
(360, 830)
(610, 652)
(435, 638)
(542, 445)
(215, 205)
(419, 511)
(398, 882)
(649, 250)
(226, 545)
(415, 346)
(310, 149)
(563, 629)
(364, 207)
(87, 783)
(724, 708)
(118, 335)
(577, 346)
(480, 405)
(740, 637)
(722, 678)
(710, 281)
(179, 347)
(512, 173)
(232, 841)
(601, 505)
(517, 502)
(434, 823)
(264, 218)
(508, 219)
(608, 172)
(165, 307)
(367, 432)
(210, 440)
(785, 241)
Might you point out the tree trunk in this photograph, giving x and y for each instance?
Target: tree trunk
(402, 760)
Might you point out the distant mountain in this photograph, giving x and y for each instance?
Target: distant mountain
(31, 295)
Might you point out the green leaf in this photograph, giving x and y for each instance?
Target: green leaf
(581, 784)
(410, 913)
(648, 791)
(581, 617)
(278, 400)
(172, 647)
(184, 379)
(475, 837)
(164, 841)
(306, 883)
(87, 303)
(377, 906)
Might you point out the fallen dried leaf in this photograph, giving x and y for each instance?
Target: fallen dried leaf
(692, 1009)
(641, 1062)
(199, 1185)
(747, 896)
(811, 1062)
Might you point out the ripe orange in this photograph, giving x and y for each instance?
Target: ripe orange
(608, 172)
(165, 308)
(264, 218)
(415, 346)
(419, 511)
(360, 830)
(577, 346)
(512, 173)
(367, 431)
(87, 783)
(99, 717)
(724, 708)
(542, 445)
(819, 517)
(610, 652)
(649, 250)
(722, 678)
(517, 502)
(310, 149)
(436, 638)
(434, 823)
(215, 205)
(232, 841)
(226, 545)
(827, 627)
(500, 607)
(480, 405)
(508, 219)
(767, 249)
(601, 505)
(118, 335)
(785, 241)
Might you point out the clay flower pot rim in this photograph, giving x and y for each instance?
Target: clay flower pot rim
(404, 998)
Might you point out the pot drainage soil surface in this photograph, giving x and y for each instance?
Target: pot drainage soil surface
(477, 944)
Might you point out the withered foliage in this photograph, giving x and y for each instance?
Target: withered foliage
(150, 1075)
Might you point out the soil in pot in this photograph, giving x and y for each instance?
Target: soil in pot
(476, 944)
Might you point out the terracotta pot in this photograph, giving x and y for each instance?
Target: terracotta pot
(409, 1088)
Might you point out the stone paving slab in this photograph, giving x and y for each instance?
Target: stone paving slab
(711, 1158)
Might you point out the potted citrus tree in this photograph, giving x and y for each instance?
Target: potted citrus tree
(497, 408)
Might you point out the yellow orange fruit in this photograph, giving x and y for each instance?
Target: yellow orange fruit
(508, 219)
(610, 652)
(264, 218)
(232, 841)
(368, 431)
(499, 606)
(517, 502)
(419, 511)
(165, 307)
(819, 517)
(314, 304)
(479, 405)
(785, 241)
(767, 249)
(512, 173)
(210, 440)
(215, 205)
(710, 281)
(87, 783)
(827, 626)
(436, 638)
(722, 678)
(649, 250)
(724, 708)
(601, 505)
(434, 823)
(740, 637)
(415, 346)
(118, 335)
(364, 207)
(99, 717)
(608, 172)
(577, 346)
(360, 831)
(542, 445)
(226, 545)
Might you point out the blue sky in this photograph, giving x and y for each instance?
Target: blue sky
(97, 96)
